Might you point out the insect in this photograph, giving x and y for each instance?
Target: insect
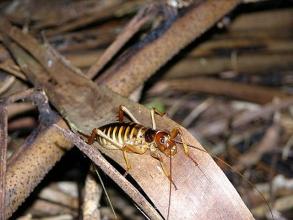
(133, 137)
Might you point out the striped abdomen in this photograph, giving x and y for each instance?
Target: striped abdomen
(123, 133)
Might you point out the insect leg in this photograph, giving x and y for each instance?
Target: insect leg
(167, 174)
(92, 137)
(137, 149)
(128, 166)
(118, 146)
(178, 132)
(153, 111)
(122, 110)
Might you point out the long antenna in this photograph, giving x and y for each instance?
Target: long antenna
(237, 172)
(170, 186)
(106, 193)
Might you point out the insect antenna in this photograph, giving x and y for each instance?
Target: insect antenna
(106, 193)
(170, 186)
(238, 173)
(193, 160)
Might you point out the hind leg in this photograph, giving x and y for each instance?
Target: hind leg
(137, 149)
(153, 112)
(123, 110)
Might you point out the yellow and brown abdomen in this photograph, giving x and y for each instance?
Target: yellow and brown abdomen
(123, 133)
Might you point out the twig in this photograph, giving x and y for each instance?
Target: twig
(57, 195)
(25, 122)
(132, 27)
(196, 112)
(110, 8)
(3, 159)
(18, 108)
(264, 62)
(252, 93)
(5, 85)
(262, 113)
(10, 67)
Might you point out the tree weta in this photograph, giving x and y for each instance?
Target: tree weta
(133, 137)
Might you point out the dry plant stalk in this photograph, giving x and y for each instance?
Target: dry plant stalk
(251, 93)
(3, 159)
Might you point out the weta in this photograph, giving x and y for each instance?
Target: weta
(133, 137)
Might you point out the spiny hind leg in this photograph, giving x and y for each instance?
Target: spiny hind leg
(167, 174)
(153, 112)
(123, 110)
(178, 132)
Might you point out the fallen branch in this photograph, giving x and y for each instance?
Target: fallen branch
(3, 158)
(252, 93)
